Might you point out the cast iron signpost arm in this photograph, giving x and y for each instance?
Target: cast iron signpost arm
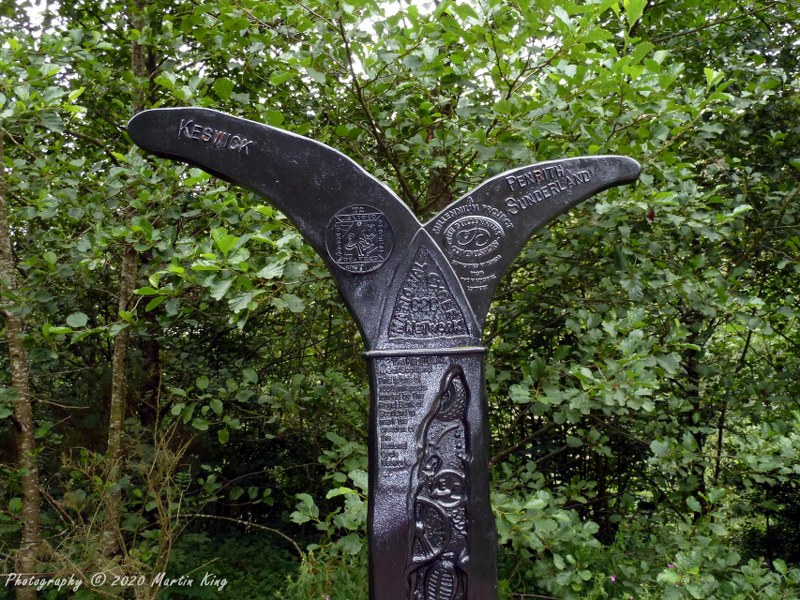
(320, 189)
(420, 296)
(483, 231)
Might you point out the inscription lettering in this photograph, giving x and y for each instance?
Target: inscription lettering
(472, 234)
(401, 393)
(425, 307)
(216, 137)
(471, 208)
(534, 176)
(564, 182)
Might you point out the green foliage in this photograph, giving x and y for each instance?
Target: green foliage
(329, 575)
(252, 567)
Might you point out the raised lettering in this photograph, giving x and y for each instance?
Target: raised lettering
(220, 139)
(245, 147)
(184, 128)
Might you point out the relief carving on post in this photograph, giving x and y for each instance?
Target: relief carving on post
(438, 499)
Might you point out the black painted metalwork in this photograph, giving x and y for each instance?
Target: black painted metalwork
(420, 295)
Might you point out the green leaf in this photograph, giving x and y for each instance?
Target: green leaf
(219, 289)
(634, 9)
(154, 303)
(780, 566)
(712, 77)
(315, 75)
(659, 448)
(340, 491)
(465, 11)
(223, 88)
(299, 517)
(223, 435)
(351, 543)
(77, 320)
(146, 291)
(200, 424)
(75, 94)
(216, 406)
(742, 208)
(52, 121)
(273, 117)
(240, 302)
(294, 303)
(201, 382)
(562, 15)
(271, 270)
(718, 529)
(278, 78)
(225, 242)
(59, 330)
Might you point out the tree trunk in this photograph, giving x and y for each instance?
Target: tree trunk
(23, 409)
(122, 342)
(116, 419)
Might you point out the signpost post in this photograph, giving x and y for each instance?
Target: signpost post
(420, 294)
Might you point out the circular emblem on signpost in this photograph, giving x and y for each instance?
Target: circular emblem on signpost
(359, 238)
(474, 238)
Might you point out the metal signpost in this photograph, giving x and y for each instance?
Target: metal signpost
(420, 294)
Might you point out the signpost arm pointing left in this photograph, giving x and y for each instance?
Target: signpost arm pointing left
(309, 182)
